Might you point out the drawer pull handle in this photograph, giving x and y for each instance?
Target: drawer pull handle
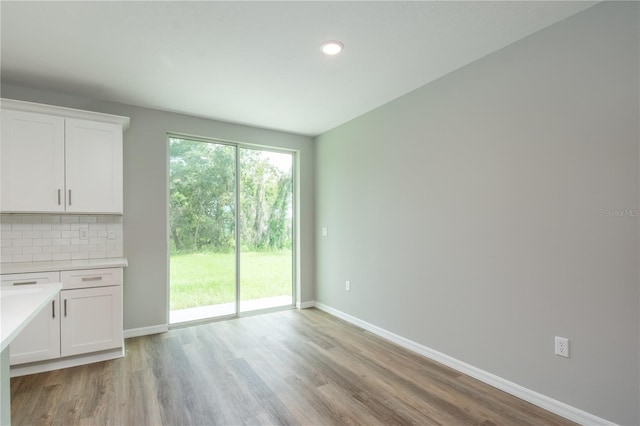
(69, 197)
(92, 278)
(65, 307)
(53, 308)
(26, 283)
(59, 191)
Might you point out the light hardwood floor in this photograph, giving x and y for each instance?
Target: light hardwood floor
(291, 367)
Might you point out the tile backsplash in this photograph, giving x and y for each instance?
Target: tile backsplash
(45, 237)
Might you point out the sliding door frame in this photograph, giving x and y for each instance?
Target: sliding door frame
(294, 240)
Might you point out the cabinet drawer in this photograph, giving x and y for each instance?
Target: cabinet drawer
(91, 278)
(30, 278)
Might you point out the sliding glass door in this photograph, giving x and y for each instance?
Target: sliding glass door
(219, 195)
(266, 229)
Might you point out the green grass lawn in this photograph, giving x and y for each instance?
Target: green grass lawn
(201, 279)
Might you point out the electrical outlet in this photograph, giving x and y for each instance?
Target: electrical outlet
(562, 347)
(347, 285)
(84, 233)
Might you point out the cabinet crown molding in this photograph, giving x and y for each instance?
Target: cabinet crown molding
(17, 105)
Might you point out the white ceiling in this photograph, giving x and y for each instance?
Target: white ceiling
(257, 63)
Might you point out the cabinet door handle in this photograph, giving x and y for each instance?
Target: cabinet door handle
(98, 278)
(59, 194)
(69, 197)
(65, 307)
(53, 309)
(26, 283)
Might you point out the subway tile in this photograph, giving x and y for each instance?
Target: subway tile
(61, 241)
(11, 250)
(70, 219)
(10, 218)
(31, 218)
(31, 250)
(42, 227)
(51, 219)
(11, 234)
(105, 219)
(21, 227)
(21, 242)
(42, 242)
(22, 258)
(42, 257)
(61, 256)
(51, 234)
(31, 234)
(43, 237)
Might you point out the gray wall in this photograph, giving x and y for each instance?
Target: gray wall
(475, 215)
(145, 194)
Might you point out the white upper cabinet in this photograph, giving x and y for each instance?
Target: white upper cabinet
(60, 160)
(94, 166)
(32, 162)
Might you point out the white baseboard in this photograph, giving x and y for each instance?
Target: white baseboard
(549, 404)
(306, 305)
(144, 331)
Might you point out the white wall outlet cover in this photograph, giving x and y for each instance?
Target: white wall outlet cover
(325, 231)
(562, 346)
(84, 233)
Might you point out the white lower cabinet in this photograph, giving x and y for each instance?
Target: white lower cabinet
(85, 318)
(40, 340)
(91, 320)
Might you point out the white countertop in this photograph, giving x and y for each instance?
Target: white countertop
(63, 265)
(19, 305)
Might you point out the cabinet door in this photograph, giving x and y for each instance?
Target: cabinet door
(40, 340)
(32, 162)
(91, 320)
(93, 167)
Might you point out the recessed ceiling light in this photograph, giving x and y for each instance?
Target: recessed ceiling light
(332, 47)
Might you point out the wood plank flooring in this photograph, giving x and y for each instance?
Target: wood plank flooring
(286, 368)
